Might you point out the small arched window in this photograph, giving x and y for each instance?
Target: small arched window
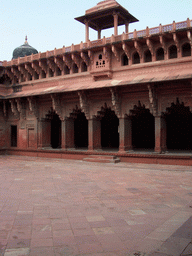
(147, 56)
(100, 56)
(124, 60)
(136, 58)
(172, 52)
(160, 54)
(186, 50)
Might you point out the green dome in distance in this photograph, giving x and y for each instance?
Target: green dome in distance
(24, 50)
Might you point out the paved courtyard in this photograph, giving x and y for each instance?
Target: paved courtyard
(55, 207)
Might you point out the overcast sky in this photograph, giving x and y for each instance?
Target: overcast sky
(50, 24)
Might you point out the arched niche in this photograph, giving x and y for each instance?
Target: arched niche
(147, 56)
(136, 58)
(160, 54)
(143, 127)
(186, 50)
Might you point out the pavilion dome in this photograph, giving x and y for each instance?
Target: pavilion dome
(24, 50)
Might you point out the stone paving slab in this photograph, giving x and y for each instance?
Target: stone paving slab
(62, 207)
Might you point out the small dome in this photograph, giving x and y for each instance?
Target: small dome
(24, 50)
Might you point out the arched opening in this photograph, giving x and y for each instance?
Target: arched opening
(136, 58)
(66, 70)
(109, 129)
(179, 126)
(43, 74)
(36, 76)
(58, 71)
(186, 50)
(172, 52)
(147, 56)
(55, 129)
(75, 68)
(83, 67)
(143, 128)
(124, 60)
(160, 54)
(51, 73)
(80, 128)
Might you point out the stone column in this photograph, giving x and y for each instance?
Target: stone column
(125, 134)
(115, 24)
(99, 33)
(86, 31)
(67, 133)
(94, 134)
(160, 134)
(127, 28)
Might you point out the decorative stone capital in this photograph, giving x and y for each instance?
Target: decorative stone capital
(153, 99)
(116, 102)
(84, 103)
(56, 105)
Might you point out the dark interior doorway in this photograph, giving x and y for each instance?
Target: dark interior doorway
(80, 130)
(55, 131)
(179, 127)
(109, 129)
(13, 135)
(143, 128)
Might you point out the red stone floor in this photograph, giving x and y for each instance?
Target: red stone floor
(55, 207)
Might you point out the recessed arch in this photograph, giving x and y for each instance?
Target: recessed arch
(124, 60)
(66, 70)
(55, 131)
(160, 54)
(179, 126)
(172, 52)
(136, 58)
(109, 128)
(75, 68)
(83, 67)
(186, 50)
(147, 56)
(143, 127)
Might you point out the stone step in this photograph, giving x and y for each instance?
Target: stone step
(102, 159)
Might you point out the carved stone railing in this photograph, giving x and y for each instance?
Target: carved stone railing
(132, 35)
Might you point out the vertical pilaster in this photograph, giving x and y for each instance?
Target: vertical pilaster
(86, 31)
(94, 134)
(99, 33)
(127, 28)
(67, 133)
(160, 134)
(125, 134)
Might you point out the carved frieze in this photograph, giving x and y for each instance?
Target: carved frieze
(56, 105)
(9, 73)
(176, 40)
(16, 72)
(59, 62)
(153, 99)
(43, 65)
(116, 101)
(150, 46)
(76, 59)
(84, 103)
(51, 64)
(29, 68)
(85, 58)
(36, 67)
(23, 71)
(163, 43)
(33, 106)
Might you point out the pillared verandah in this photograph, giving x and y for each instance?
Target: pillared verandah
(119, 95)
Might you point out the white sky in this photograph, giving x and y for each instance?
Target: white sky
(50, 24)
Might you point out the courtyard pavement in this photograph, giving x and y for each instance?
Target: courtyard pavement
(52, 207)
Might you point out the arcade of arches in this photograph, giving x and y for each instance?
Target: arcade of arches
(139, 130)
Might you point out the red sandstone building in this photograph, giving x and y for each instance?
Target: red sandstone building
(128, 95)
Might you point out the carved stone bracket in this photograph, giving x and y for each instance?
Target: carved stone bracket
(29, 69)
(176, 40)
(16, 72)
(150, 45)
(21, 108)
(43, 66)
(68, 61)
(59, 63)
(51, 64)
(84, 103)
(14, 108)
(107, 53)
(56, 105)
(85, 58)
(116, 101)
(126, 49)
(163, 43)
(138, 48)
(36, 67)
(33, 106)
(23, 71)
(153, 99)
(76, 59)
(116, 52)
(9, 73)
